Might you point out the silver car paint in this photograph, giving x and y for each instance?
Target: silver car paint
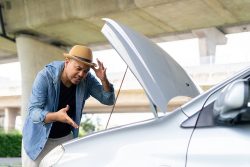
(160, 142)
(220, 146)
(159, 74)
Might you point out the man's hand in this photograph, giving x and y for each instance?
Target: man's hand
(60, 116)
(101, 74)
(100, 71)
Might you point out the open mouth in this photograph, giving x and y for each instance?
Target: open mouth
(77, 79)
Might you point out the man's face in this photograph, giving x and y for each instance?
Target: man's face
(75, 70)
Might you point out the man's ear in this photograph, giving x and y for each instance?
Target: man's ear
(67, 60)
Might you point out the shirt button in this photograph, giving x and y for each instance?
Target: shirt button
(41, 148)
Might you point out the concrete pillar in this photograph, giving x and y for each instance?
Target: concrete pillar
(33, 56)
(10, 118)
(208, 39)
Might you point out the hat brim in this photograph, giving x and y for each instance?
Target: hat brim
(75, 58)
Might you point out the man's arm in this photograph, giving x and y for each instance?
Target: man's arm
(103, 93)
(106, 85)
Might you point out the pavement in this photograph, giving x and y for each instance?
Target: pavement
(11, 162)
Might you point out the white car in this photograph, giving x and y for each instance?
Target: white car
(211, 130)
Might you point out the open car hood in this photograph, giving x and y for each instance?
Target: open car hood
(160, 75)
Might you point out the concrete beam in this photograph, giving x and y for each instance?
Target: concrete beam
(10, 101)
(79, 21)
(208, 39)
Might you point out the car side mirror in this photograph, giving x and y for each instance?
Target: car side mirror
(232, 104)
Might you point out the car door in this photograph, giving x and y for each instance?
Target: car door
(217, 145)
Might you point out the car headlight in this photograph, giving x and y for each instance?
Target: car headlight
(52, 157)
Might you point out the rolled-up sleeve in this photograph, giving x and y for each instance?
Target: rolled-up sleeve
(96, 90)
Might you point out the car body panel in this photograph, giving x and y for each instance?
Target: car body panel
(162, 142)
(220, 146)
(146, 144)
(159, 74)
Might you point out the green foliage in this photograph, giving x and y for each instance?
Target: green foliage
(10, 144)
(86, 127)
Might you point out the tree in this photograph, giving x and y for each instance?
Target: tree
(86, 127)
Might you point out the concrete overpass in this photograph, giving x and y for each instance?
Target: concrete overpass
(65, 23)
(36, 32)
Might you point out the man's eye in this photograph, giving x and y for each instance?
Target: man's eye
(78, 69)
(86, 70)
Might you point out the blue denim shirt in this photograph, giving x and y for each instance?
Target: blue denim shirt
(44, 98)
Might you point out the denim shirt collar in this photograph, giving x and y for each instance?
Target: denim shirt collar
(55, 70)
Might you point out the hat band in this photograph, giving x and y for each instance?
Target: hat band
(83, 59)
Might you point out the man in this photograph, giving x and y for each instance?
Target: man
(57, 99)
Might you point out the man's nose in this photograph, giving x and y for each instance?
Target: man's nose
(82, 73)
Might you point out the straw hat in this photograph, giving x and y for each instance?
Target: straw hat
(82, 54)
